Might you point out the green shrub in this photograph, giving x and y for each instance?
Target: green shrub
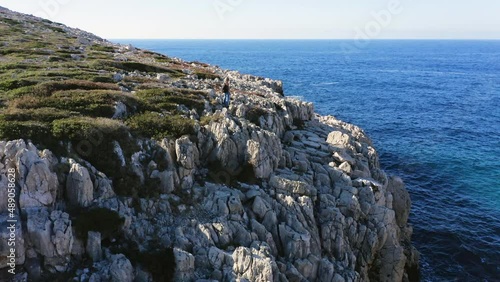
(167, 99)
(11, 84)
(10, 22)
(93, 139)
(38, 132)
(21, 91)
(205, 120)
(300, 124)
(78, 128)
(104, 79)
(57, 59)
(40, 114)
(104, 221)
(47, 88)
(92, 103)
(19, 66)
(102, 48)
(206, 75)
(153, 124)
(56, 29)
(253, 114)
(159, 261)
(134, 66)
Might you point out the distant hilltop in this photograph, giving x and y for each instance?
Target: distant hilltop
(123, 164)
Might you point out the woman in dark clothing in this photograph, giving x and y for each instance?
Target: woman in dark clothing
(225, 89)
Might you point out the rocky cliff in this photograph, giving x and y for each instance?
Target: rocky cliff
(128, 168)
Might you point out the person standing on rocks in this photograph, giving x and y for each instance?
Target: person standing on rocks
(227, 95)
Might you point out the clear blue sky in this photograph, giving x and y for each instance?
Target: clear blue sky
(126, 19)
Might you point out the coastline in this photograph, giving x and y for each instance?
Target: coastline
(265, 190)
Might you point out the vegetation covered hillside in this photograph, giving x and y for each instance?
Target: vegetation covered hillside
(60, 86)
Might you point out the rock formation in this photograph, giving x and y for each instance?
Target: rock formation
(265, 190)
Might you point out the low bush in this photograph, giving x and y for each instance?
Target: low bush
(85, 128)
(11, 84)
(102, 48)
(160, 261)
(38, 132)
(93, 103)
(206, 75)
(94, 139)
(10, 22)
(205, 120)
(300, 124)
(156, 125)
(56, 29)
(104, 221)
(254, 113)
(40, 114)
(167, 99)
(47, 88)
(58, 59)
(134, 66)
(104, 79)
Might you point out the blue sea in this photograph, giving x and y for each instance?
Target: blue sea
(432, 109)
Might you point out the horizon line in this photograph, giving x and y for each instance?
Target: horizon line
(317, 39)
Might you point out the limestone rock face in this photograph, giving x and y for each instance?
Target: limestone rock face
(79, 186)
(323, 209)
(51, 236)
(187, 159)
(264, 153)
(40, 187)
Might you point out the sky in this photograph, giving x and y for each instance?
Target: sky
(273, 19)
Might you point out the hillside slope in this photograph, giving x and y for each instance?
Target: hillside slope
(127, 166)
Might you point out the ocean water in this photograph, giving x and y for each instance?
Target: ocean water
(432, 109)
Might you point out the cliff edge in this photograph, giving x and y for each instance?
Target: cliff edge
(125, 166)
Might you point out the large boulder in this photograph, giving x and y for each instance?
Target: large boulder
(79, 186)
(184, 265)
(255, 263)
(121, 270)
